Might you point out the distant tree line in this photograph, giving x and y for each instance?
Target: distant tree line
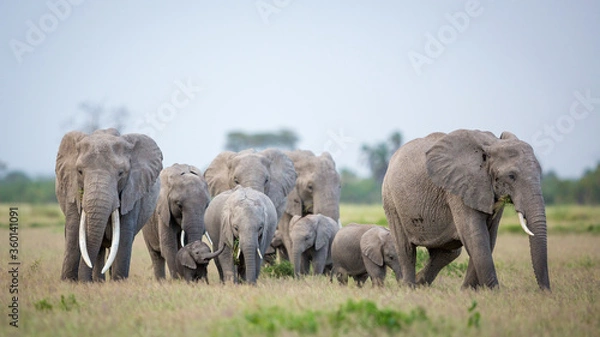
(16, 186)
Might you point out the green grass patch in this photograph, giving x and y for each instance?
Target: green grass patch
(361, 315)
(281, 269)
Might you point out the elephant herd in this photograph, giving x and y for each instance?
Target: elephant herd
(441, 192)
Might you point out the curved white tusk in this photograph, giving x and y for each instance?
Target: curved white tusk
(116, 236)
(182, 239)
(259, 254)
(239, 253)
(208, 238)
(82, 242)
(524, 223)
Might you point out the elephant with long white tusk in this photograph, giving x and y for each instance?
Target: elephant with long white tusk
(104, 178)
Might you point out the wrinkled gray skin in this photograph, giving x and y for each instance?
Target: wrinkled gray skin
(363, 251)
(446, 191)
(192, 261)
(317, 191)
(379, 252)
(311, 237)
(246, 215)
(269, 171)
(181, 204)
(100, 173)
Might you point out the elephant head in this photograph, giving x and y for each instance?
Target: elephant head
(377, 245)
(196, 255)
(183, 199)
(248, 217)
(486, 172)
(313, 232)
(318, 185)
(102, 176)
(269, 171)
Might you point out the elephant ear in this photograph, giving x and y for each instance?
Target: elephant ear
(226, 224)
(146, 164)
(282, 178)
(187, 260)
(66, 173)
(217, 173)
(508, 135)
(370, 245)
(326, 228)
(163, 208)
(457, 163)
(269, 225)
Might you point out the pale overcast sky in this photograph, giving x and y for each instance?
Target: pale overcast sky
(339, 73)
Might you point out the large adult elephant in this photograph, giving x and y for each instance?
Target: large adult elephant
(244, 221)
(269, 171)
(100, 178)
(179, 213)
(317, 191)
(446, 191)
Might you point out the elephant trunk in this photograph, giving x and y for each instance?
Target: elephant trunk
(297, 258)
(535, 218)
(214, 254)
(249, 250)
(328, 204)
(193, 226)
(99, 203)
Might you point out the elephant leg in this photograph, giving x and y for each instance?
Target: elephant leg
(341, 275)
(407, 252)
(169, 247)
(97, 275)
(361, 279)
(438, 259)
(319, 261)
(376, 273)
(120, 268)
(471, 281)
(225, 266)
(284, 227)
(72, 255)
(475, 236)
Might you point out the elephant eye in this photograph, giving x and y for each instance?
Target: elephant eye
(310, 187)
(266, 180)
(80, 171)
(236, 181)
(512, 176)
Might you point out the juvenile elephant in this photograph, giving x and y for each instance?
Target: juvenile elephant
(363, 251)
(192, 260)
(179, 214)
(269, 171)
(311, 237)
(244, 221)
(446, 191)
(103, 178)
(316, 191)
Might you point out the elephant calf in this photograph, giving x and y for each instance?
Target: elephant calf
(363, 251)
(192, 261)
(312, 236)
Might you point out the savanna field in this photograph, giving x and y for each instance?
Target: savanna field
(283, 306)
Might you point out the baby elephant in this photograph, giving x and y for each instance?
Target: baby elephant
(311, 238)
(192, 261)
(363, 251)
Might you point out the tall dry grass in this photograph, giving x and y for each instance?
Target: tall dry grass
(141, 306)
